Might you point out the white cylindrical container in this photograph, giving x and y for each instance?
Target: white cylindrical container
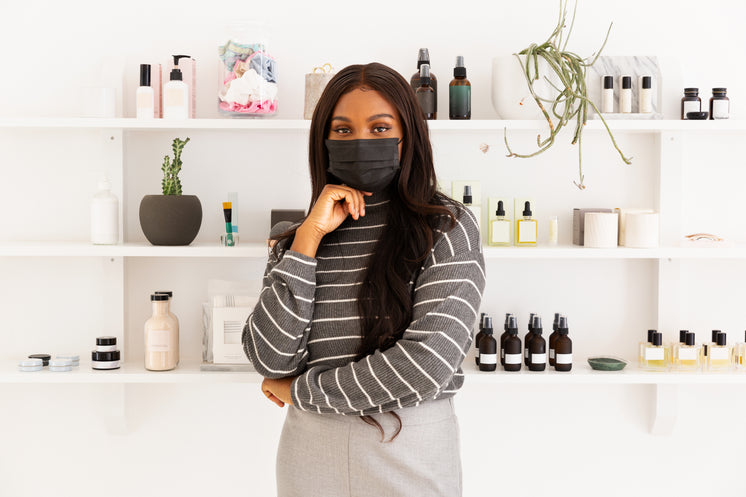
(145, 96)
(641, 230)
(607, 94)
(646, 95)
(553, 230)
(104, 216)
(601, 229)
(625, 95)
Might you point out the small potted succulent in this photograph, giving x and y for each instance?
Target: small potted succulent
(171, 218)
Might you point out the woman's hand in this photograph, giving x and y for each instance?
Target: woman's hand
(278, 391)
(335, 203)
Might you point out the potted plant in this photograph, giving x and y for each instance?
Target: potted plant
(550, 66)
(171, 218)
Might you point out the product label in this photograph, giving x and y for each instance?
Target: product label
(720, 109)
(512, 358)
(487, 358)
(427, 101)
(538, 358)
(719, 354)
(159, 341)
(459, 101)
(526, 231)
(500, 231)
(174, 97)
(691, 106)
(564, 359)
(654, 354)
(687, 354)
(551, 353)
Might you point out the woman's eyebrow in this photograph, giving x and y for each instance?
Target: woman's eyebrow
(341, 118)
(377, 116)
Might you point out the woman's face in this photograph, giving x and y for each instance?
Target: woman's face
(364, 113)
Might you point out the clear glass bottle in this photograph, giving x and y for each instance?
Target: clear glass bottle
(675, 346)
(160, 336)
(740, 354)
(720, 355)
(655, 355)
(526, 229)
(468, 202)
(641, 351)
(707, 345)
(247, 73)
(719, 104)
(690, 102)
(499, 234)
(689, 354)
(174, 319)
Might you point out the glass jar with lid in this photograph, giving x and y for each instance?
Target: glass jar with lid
(247, 73)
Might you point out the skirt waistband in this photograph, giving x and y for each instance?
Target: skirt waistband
(431, 411)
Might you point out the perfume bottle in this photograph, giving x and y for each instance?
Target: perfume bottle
(740, 354)
(499, 234)
(512, 347)
(528, 337)
(478, 337)
(504, 336)
(641, 354)
(563, 347)
(537, 352)
(475, 209)
(675, 346)
(526, 229)
(655, 355)
(720, 355)
(689, 355)
(553, 337)
(487, 348)
(706, 346)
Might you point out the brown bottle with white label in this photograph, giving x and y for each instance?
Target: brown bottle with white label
(503, 337)
(528, 337)
(487, 348)
(512, 347)
(553, 337)
(563, 347)
(537, 349)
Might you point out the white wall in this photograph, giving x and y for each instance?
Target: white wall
(194, 440)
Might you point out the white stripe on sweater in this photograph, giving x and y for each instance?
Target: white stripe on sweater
(287, 309)
(309, 263)
(361, 227)
(275, 322)
(343, 356)
(464, 280)
(418, 366)
(354, 375)
(336, 378)
(461, 262)
(372, 372)
(278, 371)
(346, 337)
(277, 351)
(400, 377)
(345, 256)
(290, 275)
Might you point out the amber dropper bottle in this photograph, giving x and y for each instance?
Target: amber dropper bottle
(512, 347)
(537, 351)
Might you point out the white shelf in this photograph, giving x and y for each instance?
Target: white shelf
(260, 251)
(271, 124)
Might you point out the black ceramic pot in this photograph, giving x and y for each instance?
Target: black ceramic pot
(170, 219)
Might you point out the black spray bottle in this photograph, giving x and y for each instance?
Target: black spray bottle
(553, 337)
(563, 347)
(537, 351)
(424, 58)
(528, 337)
(503, 337)
(479, 337)
(487, 348)
(512, 348)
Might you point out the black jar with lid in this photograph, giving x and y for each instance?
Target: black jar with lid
(690, 102)
(719, 104)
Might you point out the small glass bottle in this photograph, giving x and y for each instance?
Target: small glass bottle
(160, 337)
(689, 355)
(553, 231)
(553, 337)
(719, 104)
(655, 355)
(475, 209)
(423, 57)
(478, 337)
(512, 348)
(641, 354)
(528, 337)
(537, 352)
(174, 319)
(487, 348)
(720, 355)
(690, 102)
(740, 354)
(563, 347)
(706, 346)
(676, 346)
(426, 94)
(499, 234)
(526, 229)
(504, 336)
(459, 92)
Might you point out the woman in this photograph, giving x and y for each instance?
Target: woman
(367, 306)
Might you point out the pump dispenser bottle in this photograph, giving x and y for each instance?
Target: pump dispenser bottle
(512, 347)
(499, 232)
(503, 337)
(459, 92)
(145, 96)
(478, 337)
(553, 337)
(537, 349)
(487, 348)
(475, 209)
(526, 229)
(563, 347)
(426, 94)
(176, 94)
(528, 337)
(424, 58)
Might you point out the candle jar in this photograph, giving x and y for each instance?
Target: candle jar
(247, 73)
(690, 102)
(719, 104)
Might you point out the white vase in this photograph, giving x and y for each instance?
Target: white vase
(511, 96)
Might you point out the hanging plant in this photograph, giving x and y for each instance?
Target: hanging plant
(571, 102)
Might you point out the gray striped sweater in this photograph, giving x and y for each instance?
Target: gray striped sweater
(305, 323)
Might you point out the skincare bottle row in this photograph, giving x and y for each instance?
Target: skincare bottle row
(691, 105)
(687, 355)
(425, 85)
(526, 228)
(177, 96)
(534, 355)
(645, 95)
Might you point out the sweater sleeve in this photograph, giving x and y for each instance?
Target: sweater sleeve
(275, 334)
(422, 363)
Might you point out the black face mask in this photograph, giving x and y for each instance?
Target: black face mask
(368, 165)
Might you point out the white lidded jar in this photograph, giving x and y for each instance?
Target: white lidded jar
(161, 337)
(104, 216)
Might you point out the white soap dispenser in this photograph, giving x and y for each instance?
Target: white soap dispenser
(176, 94)
(104, 216)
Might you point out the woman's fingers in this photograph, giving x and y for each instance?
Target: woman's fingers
(268, 393)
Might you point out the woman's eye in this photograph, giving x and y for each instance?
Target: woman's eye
(342, 131)
(381, 129)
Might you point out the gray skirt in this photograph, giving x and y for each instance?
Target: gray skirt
(332, 455)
